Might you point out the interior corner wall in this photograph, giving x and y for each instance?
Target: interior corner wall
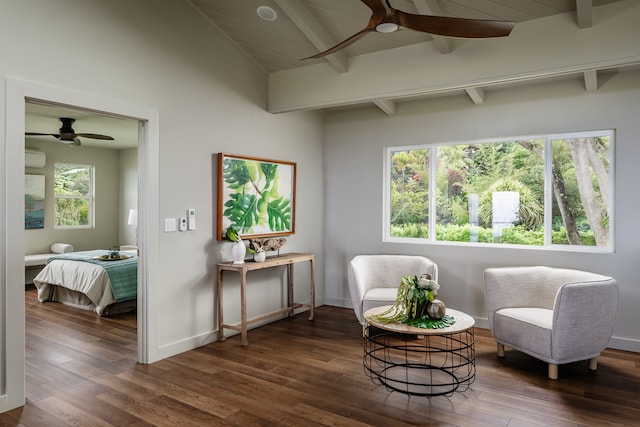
(355, 142)
(127, 52)
(128, 174)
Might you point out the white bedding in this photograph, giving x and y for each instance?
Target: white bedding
(89, 285)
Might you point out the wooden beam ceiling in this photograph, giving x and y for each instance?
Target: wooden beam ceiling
(431, 7)
(584, 13)
(312, 29)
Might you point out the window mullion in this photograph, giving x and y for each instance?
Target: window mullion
(548, 192)
(433, 153)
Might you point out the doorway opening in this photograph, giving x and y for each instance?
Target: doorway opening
(18, 93)
(88, 171)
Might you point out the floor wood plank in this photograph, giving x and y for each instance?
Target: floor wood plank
(82, 370)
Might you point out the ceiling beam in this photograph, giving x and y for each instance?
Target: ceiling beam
(476, 94)
(591, 80)
(584, 13)
(431, 7)
(413, 70)
(388, 106)
(312, 29)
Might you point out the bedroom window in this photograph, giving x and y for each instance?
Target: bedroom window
(73, 194)
(545, 191)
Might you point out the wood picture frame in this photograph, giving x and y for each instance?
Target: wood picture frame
(256, 196)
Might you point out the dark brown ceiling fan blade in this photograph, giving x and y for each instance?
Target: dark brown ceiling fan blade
(354, 38)
(69, 136)
(377, 8)
(95, 136)
(453, 27)
(42, 134)
(386, 19)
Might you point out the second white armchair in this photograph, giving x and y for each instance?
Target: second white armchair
(556, 315)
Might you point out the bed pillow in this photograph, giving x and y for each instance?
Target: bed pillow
(61, 248)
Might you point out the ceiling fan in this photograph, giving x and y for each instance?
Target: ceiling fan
(387, 20)
(67, 135)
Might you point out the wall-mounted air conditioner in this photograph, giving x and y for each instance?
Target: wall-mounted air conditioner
(34, 159)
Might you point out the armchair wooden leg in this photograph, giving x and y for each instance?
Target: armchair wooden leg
(593, 364)
(553, 371)
(500, 350)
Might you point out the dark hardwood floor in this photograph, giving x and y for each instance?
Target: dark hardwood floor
(82, 371)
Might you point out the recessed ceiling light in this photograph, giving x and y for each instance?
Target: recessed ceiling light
(267, 13)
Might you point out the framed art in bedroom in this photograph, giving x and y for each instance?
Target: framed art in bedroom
(33, 202)
(256, 196)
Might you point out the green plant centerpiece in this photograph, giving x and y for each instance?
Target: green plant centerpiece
(416, 304)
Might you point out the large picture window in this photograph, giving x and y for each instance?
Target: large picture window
(543, 191)
(74, 195)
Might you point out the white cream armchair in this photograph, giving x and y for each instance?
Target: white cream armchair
(553, 314)
(374, 279)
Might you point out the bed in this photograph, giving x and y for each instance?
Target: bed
(91, 280)
(33, 263)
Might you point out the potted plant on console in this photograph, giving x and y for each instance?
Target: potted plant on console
(238, 251)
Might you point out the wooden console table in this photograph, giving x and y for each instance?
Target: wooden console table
(285, 259)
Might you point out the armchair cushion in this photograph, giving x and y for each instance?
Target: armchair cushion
(525, 327)
(377, 297)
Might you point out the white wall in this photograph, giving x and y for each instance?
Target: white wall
(354, 153)
(107, 178)
(210, 99)
(128, 168)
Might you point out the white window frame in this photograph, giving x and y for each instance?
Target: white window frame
(548, 194)
(90, 198)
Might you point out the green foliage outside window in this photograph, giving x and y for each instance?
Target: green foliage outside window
(579, 169)
(73, 190)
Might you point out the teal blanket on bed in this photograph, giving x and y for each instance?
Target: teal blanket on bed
(123, 274)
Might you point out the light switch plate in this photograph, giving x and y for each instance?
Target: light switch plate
(169, 225)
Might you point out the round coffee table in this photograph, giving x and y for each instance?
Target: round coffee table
(418, 361)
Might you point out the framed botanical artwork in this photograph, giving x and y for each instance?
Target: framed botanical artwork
(256, 196)
(33, 202)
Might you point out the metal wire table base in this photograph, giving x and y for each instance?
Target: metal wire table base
(420, 365)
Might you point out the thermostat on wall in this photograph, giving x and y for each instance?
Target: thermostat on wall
(192, 219)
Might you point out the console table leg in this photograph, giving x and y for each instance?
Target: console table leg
(220, 315)
(290, 298)
(312, 289)
(243, 308)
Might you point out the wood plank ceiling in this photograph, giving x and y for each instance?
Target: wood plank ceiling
(305, 27)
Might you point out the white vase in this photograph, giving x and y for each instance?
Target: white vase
(259, 256)
(238, 251)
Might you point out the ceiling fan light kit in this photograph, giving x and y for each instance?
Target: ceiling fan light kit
(386, 19)
(387, 27)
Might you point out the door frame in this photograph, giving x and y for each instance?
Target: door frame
(12, 301)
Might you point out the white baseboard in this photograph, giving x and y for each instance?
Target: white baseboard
(625, 344)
